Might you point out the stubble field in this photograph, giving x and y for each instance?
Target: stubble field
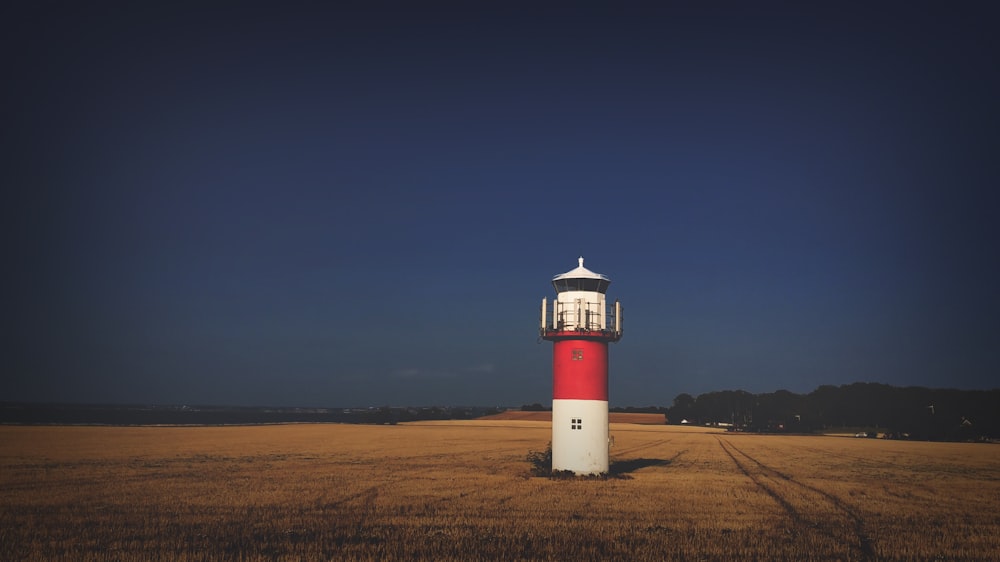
(463, 491)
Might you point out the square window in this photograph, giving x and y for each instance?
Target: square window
(576, 423)
(577, 355)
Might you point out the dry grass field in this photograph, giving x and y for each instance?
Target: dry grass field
(613, 417)
(462, 491)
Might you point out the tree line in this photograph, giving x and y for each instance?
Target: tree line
(901, 412)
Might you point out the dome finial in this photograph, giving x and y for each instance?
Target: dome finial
(581, 261)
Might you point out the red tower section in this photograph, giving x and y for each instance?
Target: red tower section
(580, 369)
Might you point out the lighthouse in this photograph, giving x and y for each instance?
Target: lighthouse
(580, 324)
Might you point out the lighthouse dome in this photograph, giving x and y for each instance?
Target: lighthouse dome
(580, 279)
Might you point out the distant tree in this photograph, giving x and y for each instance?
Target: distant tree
(731, 406)
(779, 411)
(683, 400)
(683, 408)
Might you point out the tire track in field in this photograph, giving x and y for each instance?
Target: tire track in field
(770, 480)
(643, 447)
(368, 494)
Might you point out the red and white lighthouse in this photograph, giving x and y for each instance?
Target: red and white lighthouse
(580, 324)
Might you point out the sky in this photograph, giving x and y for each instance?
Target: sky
(363, 204)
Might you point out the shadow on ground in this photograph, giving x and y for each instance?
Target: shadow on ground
(618, 468)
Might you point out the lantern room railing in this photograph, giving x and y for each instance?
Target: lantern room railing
(581, 315)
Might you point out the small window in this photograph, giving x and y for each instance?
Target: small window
(576, 423)
(577, 355)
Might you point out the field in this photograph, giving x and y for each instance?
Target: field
(613, 417)
(463, 491)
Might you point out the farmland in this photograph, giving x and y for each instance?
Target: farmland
(462, 490)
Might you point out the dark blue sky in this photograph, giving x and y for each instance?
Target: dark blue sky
(350, 205)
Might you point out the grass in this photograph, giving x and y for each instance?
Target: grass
(464, 491)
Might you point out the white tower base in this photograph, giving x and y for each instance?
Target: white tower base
(580, 436)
